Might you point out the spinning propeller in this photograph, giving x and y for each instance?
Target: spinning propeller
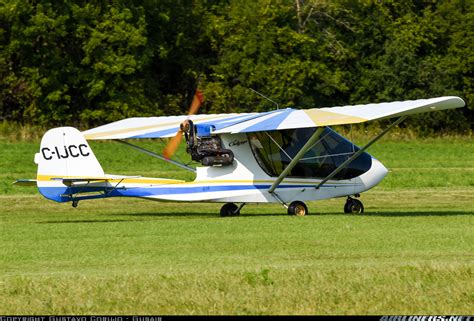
(174, 142)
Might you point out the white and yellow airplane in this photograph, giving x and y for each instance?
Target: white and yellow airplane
(287, 156)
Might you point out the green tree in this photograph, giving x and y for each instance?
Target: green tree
(412, 50)
(262, 45)
(90, 63)
(85, 64)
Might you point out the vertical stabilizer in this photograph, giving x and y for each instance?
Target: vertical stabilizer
(64, 153)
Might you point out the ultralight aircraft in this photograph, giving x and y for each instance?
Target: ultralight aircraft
(287, 156)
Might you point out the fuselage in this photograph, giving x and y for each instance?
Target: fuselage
(260, 158)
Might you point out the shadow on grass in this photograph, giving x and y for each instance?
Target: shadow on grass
(141, 217)
(131, 217)
(168, 214)
(413, 214)
(207, 214)
(86, 221)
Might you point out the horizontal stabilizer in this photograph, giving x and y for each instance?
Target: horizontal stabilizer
(71, 181)
(25, 182)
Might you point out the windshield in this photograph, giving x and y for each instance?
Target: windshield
(274, 150)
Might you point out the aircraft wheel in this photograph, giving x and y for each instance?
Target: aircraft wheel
(230, 209)
(353, 206)
(75, 203)
(297, 208)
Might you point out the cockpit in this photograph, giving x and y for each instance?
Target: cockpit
(274, 150)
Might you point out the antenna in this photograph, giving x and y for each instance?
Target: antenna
(274, 102)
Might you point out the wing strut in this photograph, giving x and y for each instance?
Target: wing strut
(296, 159)
(150, 153)
(360, 151)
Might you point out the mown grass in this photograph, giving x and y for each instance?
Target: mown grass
(409, 289)
(410, 253)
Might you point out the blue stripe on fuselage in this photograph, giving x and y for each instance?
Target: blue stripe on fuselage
(54, 193)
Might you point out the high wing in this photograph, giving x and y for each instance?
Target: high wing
(161, 127)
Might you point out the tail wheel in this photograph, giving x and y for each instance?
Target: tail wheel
(353, 206)
(230, 209)
(297, 208)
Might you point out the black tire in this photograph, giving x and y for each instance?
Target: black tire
(353, 206)
(297, 208)
(230, 209)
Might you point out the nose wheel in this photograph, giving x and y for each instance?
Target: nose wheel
(353, 206)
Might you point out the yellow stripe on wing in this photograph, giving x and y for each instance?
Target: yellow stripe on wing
(328, 118)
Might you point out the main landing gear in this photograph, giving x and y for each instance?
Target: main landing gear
(297, 208)
(231, 209)
(353, 206)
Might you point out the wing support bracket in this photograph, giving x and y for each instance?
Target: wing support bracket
(279, 199)
(150, 153)
(360, 151)
(296, 159)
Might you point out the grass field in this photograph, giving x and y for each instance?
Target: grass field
(412, 252)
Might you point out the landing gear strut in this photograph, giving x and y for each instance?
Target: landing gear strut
(353, 206)
(230, 209)
(297, 208)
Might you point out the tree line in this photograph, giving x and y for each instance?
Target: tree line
(88, 63)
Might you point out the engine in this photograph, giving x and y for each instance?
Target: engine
(208, 150)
